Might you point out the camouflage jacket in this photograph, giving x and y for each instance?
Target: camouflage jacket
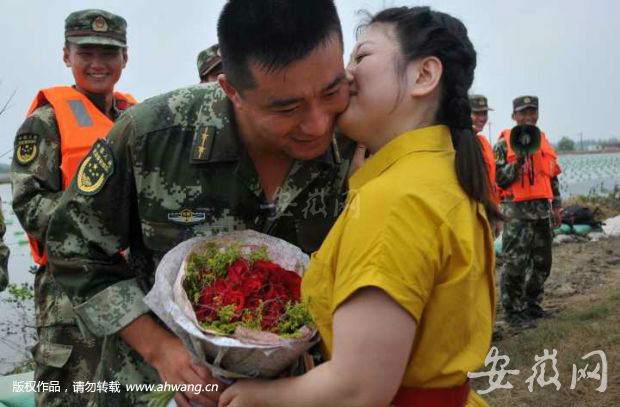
(4, 254)
(507, 173)
(37, 188)
(173, 168)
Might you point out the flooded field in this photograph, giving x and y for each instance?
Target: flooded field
(584, 173)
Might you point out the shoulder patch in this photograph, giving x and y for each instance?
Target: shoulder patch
(26, 148)
(95, 169)
(202, 145)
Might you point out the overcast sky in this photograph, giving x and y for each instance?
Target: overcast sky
(567, 52)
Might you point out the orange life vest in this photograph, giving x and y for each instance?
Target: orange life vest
(489, 160)
(80, 124)
(545, 166)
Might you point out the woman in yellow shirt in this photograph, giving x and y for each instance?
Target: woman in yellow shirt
(402, 289)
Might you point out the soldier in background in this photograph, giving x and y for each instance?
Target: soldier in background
(531, 210)
(479, 117)
(209, 64)
(4, 254)
(256, 152)
(63, 123)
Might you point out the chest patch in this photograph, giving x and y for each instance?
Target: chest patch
(187, 216)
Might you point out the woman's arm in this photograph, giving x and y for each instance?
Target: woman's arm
(373, 338)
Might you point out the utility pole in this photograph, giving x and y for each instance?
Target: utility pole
(581, 139)
(490, 138)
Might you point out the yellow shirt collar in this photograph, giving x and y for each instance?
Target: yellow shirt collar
(434, 138)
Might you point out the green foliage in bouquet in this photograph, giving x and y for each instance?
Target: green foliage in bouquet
(295, 315)
(203, 268)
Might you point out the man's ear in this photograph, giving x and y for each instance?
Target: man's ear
(230, 91)
(125, 57)
(65, 57)
(425, 76)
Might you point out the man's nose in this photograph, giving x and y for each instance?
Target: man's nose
(316, 121)
(97, 62)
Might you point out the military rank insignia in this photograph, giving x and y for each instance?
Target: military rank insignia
(26, 148)
(202, 145)
(95, 169)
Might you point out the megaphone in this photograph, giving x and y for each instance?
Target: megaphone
(525, 139)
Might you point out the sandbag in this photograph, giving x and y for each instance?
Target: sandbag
(9, 398)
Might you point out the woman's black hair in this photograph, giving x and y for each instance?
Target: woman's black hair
(422, 32)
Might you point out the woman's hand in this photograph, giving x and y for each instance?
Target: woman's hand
(244, 393)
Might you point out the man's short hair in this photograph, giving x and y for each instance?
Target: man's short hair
(272, 34)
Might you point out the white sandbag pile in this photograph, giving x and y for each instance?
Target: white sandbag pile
(612, 226)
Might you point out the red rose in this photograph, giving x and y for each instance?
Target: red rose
(251, 285)
(221, 285)
(252, 302)
(236, 298)
(205, 309)
(266, 266)
(271, 314)
(237, 270)
(271, 294)
(293, 283)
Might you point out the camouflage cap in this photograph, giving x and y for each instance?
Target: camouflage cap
(208, 60)
(479, 103)
(96, 27)
(523, 102)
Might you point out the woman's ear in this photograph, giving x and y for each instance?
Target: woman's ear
(426, 75)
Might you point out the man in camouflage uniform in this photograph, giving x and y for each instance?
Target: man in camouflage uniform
(255, 151)
(4, 254)
(95, 50)
(209, 64)
(527, 236)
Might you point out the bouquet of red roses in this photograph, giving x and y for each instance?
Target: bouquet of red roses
(234, 300)
(231, 288)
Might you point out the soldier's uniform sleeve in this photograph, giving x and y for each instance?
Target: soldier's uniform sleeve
(505, 173)
(555, 187)
(4, 254)
(96, 219)
(35, 172)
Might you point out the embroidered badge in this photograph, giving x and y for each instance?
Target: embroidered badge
(187, 216)
(95, 170)
(26, 148)
(100, 24)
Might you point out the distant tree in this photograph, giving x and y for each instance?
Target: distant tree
(3, 108)
(7, 102)
(566, 144)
